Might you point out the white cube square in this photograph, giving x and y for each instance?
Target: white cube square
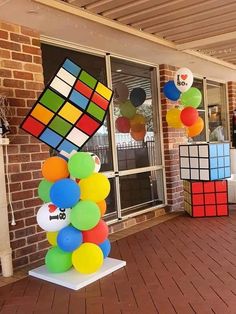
(204, 163)
(183, 151)
(193, 150)
(203, 151)
(194, 174)
(185, 174)
(194, 163)
(184, 162)
(204, 174)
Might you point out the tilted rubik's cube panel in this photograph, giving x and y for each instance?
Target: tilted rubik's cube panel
(205, 162)
(70, 110)
(206, 198)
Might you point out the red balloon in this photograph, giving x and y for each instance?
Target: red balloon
(96, 235)
(189, 116)
(123, 124)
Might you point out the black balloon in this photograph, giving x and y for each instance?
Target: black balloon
(137, 96)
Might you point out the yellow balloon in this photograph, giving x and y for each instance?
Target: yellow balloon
(94, 188)
(88, 258)
(52, 238)
(173, 118)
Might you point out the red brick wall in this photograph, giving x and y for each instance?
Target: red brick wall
(21, 79)
(232, 102)
(172, 138)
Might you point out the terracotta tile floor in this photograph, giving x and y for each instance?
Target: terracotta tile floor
(182, 265)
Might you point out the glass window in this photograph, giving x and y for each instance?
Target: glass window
(135, 115)
(198, 83)
(217, 111)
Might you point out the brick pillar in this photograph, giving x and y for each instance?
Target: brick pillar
(21, 77)
(172, 138)
(232, 103)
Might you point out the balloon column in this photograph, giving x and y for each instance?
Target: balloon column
(131, 120)
(186, 114)
(74, 193)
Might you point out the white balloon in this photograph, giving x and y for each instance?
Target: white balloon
(97, 162)
(121, 92)
(52, 218)
(183, 79)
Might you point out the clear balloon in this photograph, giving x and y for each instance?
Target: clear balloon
(183, 79)
(121, 92)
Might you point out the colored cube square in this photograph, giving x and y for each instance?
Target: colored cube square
(206, 199)
(60, 126)
(211, 160)
(87, 124)
(70, 109)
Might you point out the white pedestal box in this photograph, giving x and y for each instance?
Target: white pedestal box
(232, 189)
(74, 280)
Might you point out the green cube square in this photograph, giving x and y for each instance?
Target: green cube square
(51, 100)
(96, 111)
(60, 126)
(88, 79)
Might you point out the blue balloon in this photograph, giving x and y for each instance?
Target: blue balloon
(170, 91)
(137, 96)
(65, 193)
(69, 239)
(105, 247)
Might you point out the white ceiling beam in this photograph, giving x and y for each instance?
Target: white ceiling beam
(207, 41)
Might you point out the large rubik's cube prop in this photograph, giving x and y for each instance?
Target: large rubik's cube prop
(70, 110)
(204, 168)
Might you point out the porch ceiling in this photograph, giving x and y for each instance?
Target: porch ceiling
(206, 26)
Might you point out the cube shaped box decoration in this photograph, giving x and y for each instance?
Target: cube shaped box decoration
(206, 198)
(70, 110)
(205, 161)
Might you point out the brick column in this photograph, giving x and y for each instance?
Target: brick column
(21, 77)
(232, 103)
(172, 138)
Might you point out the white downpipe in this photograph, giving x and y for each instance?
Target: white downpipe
(5, 249)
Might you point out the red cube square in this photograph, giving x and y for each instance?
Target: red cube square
(210, 198)
(197, 187)
(221, 198)
(198, 211)
(222, 210)
(198, 199)
(221, 186)
(210, 210)
(209, 187)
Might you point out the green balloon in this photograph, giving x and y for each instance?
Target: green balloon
(81, 165)
(58, 261)
(191, 98)
(127, 109)
(85, 215)
(44, 190)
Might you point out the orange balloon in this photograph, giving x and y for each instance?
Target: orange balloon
(137, 123)
(138, 135)
(55, 168)
(102, 206)
(196, 128)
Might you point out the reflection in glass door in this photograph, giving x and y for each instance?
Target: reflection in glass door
(137, 140)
